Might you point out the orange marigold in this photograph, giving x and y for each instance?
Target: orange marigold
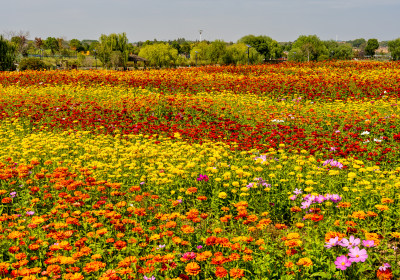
(192, 268)
(307, 262)
(221, 272)
(236, 273)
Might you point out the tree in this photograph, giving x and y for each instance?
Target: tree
(198, 54)
(357, 42)
(110, 43)
(394, 48)
(215, 51)
(309, 48)
(372, 46)
(339, 51)
(21, 43)
(51, 44)
(76, 45)
(265, 45)
(7, 55)
(160, 54)
(237, 54)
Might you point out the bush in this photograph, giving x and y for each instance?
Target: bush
(32, 63)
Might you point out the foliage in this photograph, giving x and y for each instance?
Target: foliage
(7, 55)
(160, 55)
(240, 54)
(215, 51)
(339, 50)
(113, 43)
(310, 48)
(372, 46)
(265, 45)
(32, 63)
(394, 48)
(357, 43)
(198, 53)
(76, 45)
(51, 44)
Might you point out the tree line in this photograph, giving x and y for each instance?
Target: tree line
(115, 51)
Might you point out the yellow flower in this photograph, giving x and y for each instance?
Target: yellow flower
(222, 195)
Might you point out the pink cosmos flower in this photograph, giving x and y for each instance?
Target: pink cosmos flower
(352, 242)
(357, 255)
(332, 242)
(368, 243)
(342, 262)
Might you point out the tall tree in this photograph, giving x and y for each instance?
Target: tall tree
(265, 45)
(394, 48)
(309, 48)
(51, 44)
(111, 43)
(7, 55)
(372, 46)
(160, 54)
(215, 51)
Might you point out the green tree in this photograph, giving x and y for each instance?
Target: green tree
(343, 52)
(7, 55)
(51, 44)
(32, 63)
(394, 48)
(372, 46)
(160, 55)
(357, 42)
(215, 51)
(198, 54)
(240, 54)
(21, 44)
(265, 45)
(185, 49)
(310, 48)
(76, 45)
(110, 43)
(339, 50)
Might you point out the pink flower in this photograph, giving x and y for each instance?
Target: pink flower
(357, 255)
(332, 242)
(368, 243)
(350, 243)
(342, 262)
(189, 255)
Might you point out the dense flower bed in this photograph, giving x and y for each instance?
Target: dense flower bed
(286, 171)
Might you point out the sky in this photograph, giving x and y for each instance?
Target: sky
(228, 20)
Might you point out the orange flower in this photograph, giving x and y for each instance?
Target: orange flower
(221, 272)
(384, 274)
(187, 229)
(236, 273)
(307, 262)
(192, 268)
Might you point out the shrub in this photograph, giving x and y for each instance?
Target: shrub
(32, 63)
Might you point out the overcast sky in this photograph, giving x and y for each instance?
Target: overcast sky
(229, 20)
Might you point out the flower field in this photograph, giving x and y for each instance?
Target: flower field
(287, 171)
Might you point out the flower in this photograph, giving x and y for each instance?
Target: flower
(222, 195)
(342, 262)
(221, 272)
(384, 267)
(307, 262)
(332, 242)
(192, 268)
(149, 278)
(357, 255)
(368, 243)
(350, 243)
(236, 273)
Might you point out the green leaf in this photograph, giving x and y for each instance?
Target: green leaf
(321, 274)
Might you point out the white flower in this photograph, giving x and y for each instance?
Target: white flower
(365, 133)
(377, 140)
